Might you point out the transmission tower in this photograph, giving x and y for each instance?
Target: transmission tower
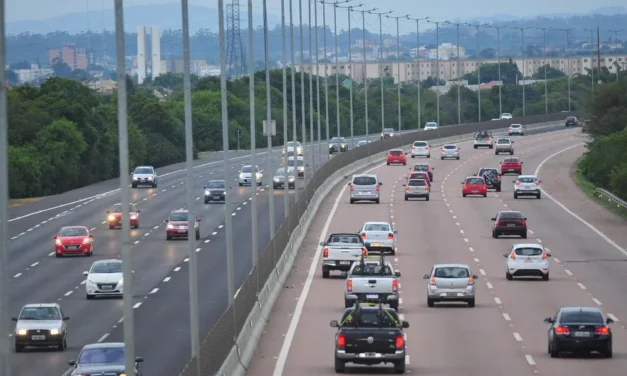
(236, 58)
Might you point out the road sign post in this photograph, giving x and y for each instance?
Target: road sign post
(239, 135)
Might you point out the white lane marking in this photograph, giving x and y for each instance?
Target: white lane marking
(461, 232)
(207, 241)
(530, 232)
(400, 300)
(581, 286)
(153, 291)
(612, 317)
(539, 241)
(177, 268)
(220, 226)
(556, 260)
(156, 227)
(146, 234)
(214, 233)
(83, 282)
(498, 301)
(506, 317)
(476, 260)
(69, 293)
(568, 272)
(136, 242)
(591, 227)
(137, 305)
(166, 279)
(482, 271)
(103, 337)
(34, 264)
(186, 259)
(530, 360)
(466, 240)
(17, 275)
(597, 301)
(518, 337)
(198, 249)
(289, 336)
(471, 249)
(489, 285)
(406, 359)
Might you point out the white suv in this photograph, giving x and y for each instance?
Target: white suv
(527, 185)
(527, 260)
(144, 175)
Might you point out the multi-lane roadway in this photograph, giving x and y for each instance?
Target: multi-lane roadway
(504, 333)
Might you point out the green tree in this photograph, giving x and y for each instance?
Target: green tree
(550, 73)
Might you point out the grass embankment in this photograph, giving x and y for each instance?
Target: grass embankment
(23, 201)
(588, 188)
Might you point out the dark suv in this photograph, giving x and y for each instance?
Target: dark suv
(571, 121)
(492, 177)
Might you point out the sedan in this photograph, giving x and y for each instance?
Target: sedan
(278, 180)
(104, 278)
(527, 185)
(504, 145)
(41, 325)
(396, 156)
(420, 175)
(73, 240)
(451, 283)
(177, 225)
(104, 358)
(511, 165)
(379, 237)
(114, 216)
(215, 191)
(509, 222)
(579, 329)
(474, 186)
(423, 167)
(449, 151)
(527, 260)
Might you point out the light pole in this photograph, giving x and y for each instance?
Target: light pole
(311, 111)
(5, 358)
(294, 110)
(302, 89)
(546, 82)
(591, 54)
(398, 67)
(381, 14)
(269, 127)
(478, 74)
(337, 65)
(524, 72)
(286, 208)
(616, 31)
(498, 55)
(364, 73)
(459, 102)
(418, 63)
(318, 84)
(437, 65)
(326, 73)
(567, 56)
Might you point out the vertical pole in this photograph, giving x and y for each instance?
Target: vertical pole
(337, 75)
(459, 101)
(599, 54)
(546, 87)
(286, 205)
(318, 84)
(398, 75)
(478, 79)
(365, 75)
(294, 110)
(522, 31)
(253, 142)
(380, 72)
(419, 75)
(303, 106)
(311, 110)
(498, 52)
(269, 128)
(566, 52)
(437, 64)
(127, 268)
(189, 166)
(350, 72)
(591, 66)
(326, 73)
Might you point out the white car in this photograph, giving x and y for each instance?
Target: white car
(297, 163)
(362, 143)
(431, 126)
(290, 148)
(449, 151)
(379, 237)
(421, 149)
(518, 129)
(104, 278)
(527, 185)
(40, 325)
(506, 115)
(527, 260)
(144, 175)
(246, 175)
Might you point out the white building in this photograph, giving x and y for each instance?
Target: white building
(447, 51)
(28, 75)
(208, 70)
(141, 54)
(155, 36)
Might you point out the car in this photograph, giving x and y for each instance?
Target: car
(40, 325)
(449, 151)
(365, 187)
(491, 176)
(421, 149)
(379, 237)
(416, 188)
(518, 129)
(103, 358)
(278, 180)
(420, 175)
(246, 175)
(579, 329)
(340, 251)
(474, 186)
(300, 165)
(104, 278)
(372, 279)
(144, 175)
(362, 143)
(509, 222)
(177, 225)
(504, 145)
(338, 145)
(215, 191)
(290, 148)
(571, 121)
(114, 216)
(450, 283)
(511, 165)
(423, 167)
(396, 156)
(431, 125)
(387, 133)
(506, 115)
(73, 240)
(483, 139)
(527, 260)
(527, 185)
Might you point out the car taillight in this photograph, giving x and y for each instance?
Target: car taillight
(518, 183)
(456, 149)
(341, 341)
(363, 235)
(471, 281)
(427, 147)
(394, 286)
(544, 256)
(390, 236)
(498, 224)
(442, 150)
(604, 330)
(426, 187)
(364, 252)
(536, 182)
(489, 138)
(523, 223)
(432, 283)
(325, 252)
(513, 256)
(413, 147)
(378, 188)
(562, 330)
(400, 342)
(349, 285)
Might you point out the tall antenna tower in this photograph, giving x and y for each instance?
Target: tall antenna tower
(236, 58)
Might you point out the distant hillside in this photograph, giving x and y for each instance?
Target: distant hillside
(605, 11)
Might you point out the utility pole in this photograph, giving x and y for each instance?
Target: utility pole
(546, 88)
(599, 54)
(365, 76)
(524, 72)
(459, 102)
(381, 14)
(567, 56)
(418, 64)
(437, 64)
(478, 75)
(591, 65)
(498, 55)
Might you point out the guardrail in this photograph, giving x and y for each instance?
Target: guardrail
(610, 197)
(229, 346)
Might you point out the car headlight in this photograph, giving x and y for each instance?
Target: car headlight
(150, 178)
(54, 332)
(292, 179)
(89, 280)
(241, 176)
(58, 242)
(330, 146)
(134, 177)
(22, 332)
(112, 217)
(121, 282)
(170, 226)
(258, 175)
(276, 180)
(343, 145)
(133, 217)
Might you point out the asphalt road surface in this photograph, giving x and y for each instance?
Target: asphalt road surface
(504, 334)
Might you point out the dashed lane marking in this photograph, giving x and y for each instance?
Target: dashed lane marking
(568, 272)
(530, 360)
(611, 316)
(517, 337)
(153, 291)
(167, 279)
(597, 301)
(581, 286)
(498, 301)
(137, 305)
(506, 317)
(103, 337)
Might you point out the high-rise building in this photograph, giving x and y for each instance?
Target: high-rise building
(75, 58)
(155, 36)
(141, 54)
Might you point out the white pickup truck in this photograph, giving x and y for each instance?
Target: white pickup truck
(340, 251)
(483, 140)
(374, 280)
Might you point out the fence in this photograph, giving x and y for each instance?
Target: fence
(222, 338)
(610, 197)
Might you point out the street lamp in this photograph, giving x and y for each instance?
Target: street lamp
(524, 63)
(591, 65)
(398, 67)
(546, 88)
(478, 75)
(498, 55)
(459, 102)
(566, 55)
(364, 73)
(418, 63)
(437, 65)
(381, 14)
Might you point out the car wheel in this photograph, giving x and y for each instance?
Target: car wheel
(59, 255)
(352, 201)
(496, 152)
(412, 157)
(394, 305)
(553, 351)
(442, 158)
(608, 351)
(428, 155)
(475, 146)
(406, 198)
(198, 236)
(325, 273)
(491, 147)
(206, 201)
(458, 158)
(134, 185)
(427, 198)
(463, 195)
(111, 227)
(495, 235)
(399, 366)
(430, 303)
(524, 235)
(168, 237)
(18, 348)
(471, 303)
(511, 153)
(515, 195)
(241, 184)
(539, 196)
(347, 303)
(61, 345)
(509, 276)
(340, 366)
(376, 201)
(136, 226)
(388, 163)
(89, 297)
(154, 185)
(498, 188)
(485, 195)
(545, 277)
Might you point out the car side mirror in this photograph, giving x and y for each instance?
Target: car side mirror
(166, 220)
(306, 165)
(521, 162)
(139, 211)
(66, 318)
(500, 162)
(334, 324)
(513, 181)
(72, 362)
(198, 219)
(524, 219)
(404, 185)
(609, 321)
(91, 236)
(395, 232)
(349, 183)
(398, 274)
(54, 236)
(548, 320)
(505, 255)
(322, 244)
(513, 142)
(426, 276)
(85, 274)
(380, 183)
(108, 212)
(139, 359)
(405, 325)
(13, 318)
(474, 276)
(549, 255)
(493, 219)
(540, 181)
(433, 168)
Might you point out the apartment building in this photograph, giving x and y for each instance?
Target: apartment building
(75, 58)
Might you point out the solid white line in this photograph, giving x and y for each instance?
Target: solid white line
(407, 359)
(136, 242)
(581, 286)
(498, 301)
(518, 337)
(186, 259)
(539, 241)
(530, 232)
(137, 305)
(103, 337)
(568, 272)
(471, 249)
(289, 336)
(597, 301)
(530, 360)
(612, 317)
(506, 317)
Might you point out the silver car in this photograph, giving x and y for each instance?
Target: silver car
(421, 149)
(364, 187)
(41, 325)
(451, 283)
(144, 175)
(291, 146)
(416, 188)
(527, 185)
(379, 237)
(246, 175)
(215, 191)
(449, 151)
(518, 129)
(504, 145)
(432, 125)
(297, 163)
(278, 180)
(362, 143)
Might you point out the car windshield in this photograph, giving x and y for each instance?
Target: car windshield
(571, 118)
(511, 160)
(371, 318)
(417, 183)
(345, 238)
(421, 167)
(215, 184)
(178, 217)
(431, 125)
(73, 231)
(364, 180)
(474, 181)
(377, 227)
(582, 317)
(40, 313)
(527, 180)
(371, 269)
(106, 267)
(506, 114)
(299, 162)
(102, 355)
(396, 152)
(419, 175)
(451, 272)
(291, 144)
(420, 144)
(510, 215)
(515, 126)
(118, 208)
(362, 143)
(388, 130)
(247, 169)
(528, 251)
(450, 147)
(503, 141)
(143, 170)
(340, 140)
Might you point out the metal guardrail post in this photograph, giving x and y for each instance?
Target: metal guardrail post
(604, 194)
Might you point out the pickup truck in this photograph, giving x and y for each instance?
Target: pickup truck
(369, 334)
(483, 140)
(340, 251)
(372, 280)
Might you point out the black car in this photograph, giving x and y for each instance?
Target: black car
(579, 329)
(105, 358)
(215, 191)
(338, 145)
(370, 334)
(509, 222)
(387, 133)
(492, 177)
(571, 121)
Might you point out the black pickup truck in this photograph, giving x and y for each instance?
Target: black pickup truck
(491, 176)
(369, 334)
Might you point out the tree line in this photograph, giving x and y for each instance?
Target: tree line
(63, 135)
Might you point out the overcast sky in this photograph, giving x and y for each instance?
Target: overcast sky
(18, 10)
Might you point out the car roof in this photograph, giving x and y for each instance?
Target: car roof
(516, 158)
(401, 150)
(41, 305)
(67, 227)
(580, 309)
(366, 175)
(515, 124)
(216, 181)
(107, 261)
(510, 211)
(144, 167)
(410, 180)
(451, 265)
(526, 176)
(377, 223)
(470, 177)
(103, 345)
(180, 211)
(445, 145)
(425, 141)
(530, 245)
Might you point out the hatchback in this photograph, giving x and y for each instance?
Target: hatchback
(511, 165)
(474, 186)
(420, 175)
(451, 283)
(509, 223)
(516, 129)
(396, 156)
(579, 329)
(527, 260)
(416, 188)
(421, 149)
(527, 185)
(450, 151)
(364, 187)
(504, 145)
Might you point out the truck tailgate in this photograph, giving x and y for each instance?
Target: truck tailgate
(344, 253)
(383, 340)
(372, 284)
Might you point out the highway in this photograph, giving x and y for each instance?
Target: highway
(504, 333)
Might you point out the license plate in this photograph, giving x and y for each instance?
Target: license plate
(216, 197)
(511, 169)
(529, 260)
(364, 193)
(73, 247)
(582, 334)
(345, 262)
(475, 191)
(38, 338)
(182, 231)
(377, 244)
(372, 296)
(107, 287)
(511, 225)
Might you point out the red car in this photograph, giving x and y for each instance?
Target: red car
(420, 175)
(177, 225)
(114, 216)
(474, 186)
(511, 165)
(73, 240)
(396, 156)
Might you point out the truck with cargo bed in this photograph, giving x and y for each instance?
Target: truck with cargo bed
(340, 251)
